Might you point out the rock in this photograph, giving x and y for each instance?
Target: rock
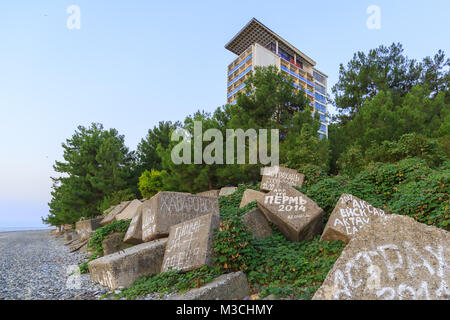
(79, 245)
(270, 297)
(272, 176)
(130, 211)
(190, 244)
(209, 193)
(71, 242)
(134, 232)
(108, 210)
(392, 258)
(258, 224)
(226, 191)
(122, 268)
(85, 228)
(250, 196)
(167, 209)
(68, 236)
(226, 287)
(113, 243)
(67, 228)
(58, 231)
(297, 216)
(111, 216)
(348, 217)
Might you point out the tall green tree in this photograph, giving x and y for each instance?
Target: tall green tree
(382, 69)
(303, 146)
(191, 177)
(268, 101)
(436, 73)
(96, 165)
(147, 155)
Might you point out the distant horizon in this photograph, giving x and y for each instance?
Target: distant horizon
(32, 228)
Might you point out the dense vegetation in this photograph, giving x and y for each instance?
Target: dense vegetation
(273, 265)
(389, 144)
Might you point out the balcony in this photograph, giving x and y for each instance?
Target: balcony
(240, 64)
(236, 90)
(240, 76)
(292, 73)
(242, 57)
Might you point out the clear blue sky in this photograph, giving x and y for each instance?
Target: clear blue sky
(135, 63)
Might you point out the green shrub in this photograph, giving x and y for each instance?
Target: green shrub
(326, 193)
(408, 187)
(294, 268)
(407, 146)
(151, 182)
(313, 174)
(167, 282)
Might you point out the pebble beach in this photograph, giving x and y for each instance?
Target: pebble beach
(34, 265)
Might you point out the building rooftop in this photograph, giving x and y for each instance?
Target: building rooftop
(255, 31)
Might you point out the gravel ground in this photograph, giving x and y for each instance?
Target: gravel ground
(36, 265)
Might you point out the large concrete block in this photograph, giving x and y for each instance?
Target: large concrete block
(250, 195)
(113, 243)
(108, 210)
(209, 193)
(348, 217)
(228, 286)
(122, 268)
(297, 216)
(393, 258)
(71, 235)
(190, 244)
(273, 176)
(258, 224)
(167, 209)
(85, 228)
(67, 228)
(130, 210)
(226, 191)
(134, 232)
(111, 216)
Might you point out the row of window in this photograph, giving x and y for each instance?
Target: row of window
(240, 76)
(240, 64)
(320, 108)
(318, 77)
(321, 98)
(320, 88)
(293, 73)
(236, 90)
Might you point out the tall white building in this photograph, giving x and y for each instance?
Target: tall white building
(257, 45)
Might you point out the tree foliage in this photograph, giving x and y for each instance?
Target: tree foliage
(96, 165)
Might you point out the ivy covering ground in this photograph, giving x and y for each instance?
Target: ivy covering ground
(273, 265)
(296, 269)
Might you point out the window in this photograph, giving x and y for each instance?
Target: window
(320, 108)
(319, 77)
(320, 88)
(321, 98)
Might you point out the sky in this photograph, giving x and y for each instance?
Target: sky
(134, 63)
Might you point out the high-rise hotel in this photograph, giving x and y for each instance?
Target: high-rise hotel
(257, 45)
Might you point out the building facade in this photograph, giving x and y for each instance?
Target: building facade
(257, 45)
